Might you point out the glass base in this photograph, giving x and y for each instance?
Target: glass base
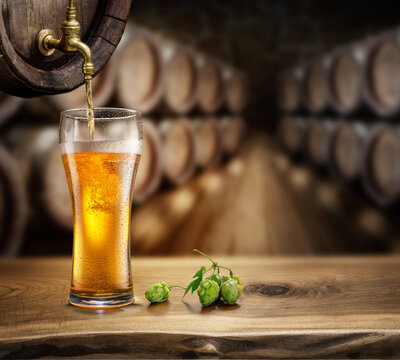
(99, 302)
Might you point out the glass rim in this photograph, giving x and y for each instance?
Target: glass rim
(130, 114)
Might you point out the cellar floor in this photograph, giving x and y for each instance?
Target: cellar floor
(261, 202)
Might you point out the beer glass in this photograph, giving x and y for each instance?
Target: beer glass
(100, 175)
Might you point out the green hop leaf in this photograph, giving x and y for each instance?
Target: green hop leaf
(195, 283)
(217, 278)
(158, 292)
(231, 290)
(208, 292)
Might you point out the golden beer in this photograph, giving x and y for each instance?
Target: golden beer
(100, 176)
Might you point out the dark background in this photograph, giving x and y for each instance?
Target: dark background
(263, 37)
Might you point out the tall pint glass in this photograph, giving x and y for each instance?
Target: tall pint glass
(100, 175)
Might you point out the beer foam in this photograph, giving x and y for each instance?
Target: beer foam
(133, 146)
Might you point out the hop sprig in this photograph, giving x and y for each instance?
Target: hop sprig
(209, 290)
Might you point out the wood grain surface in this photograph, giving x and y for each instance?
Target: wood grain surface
(344, 307)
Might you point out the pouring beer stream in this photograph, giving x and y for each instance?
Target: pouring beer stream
(71, 43)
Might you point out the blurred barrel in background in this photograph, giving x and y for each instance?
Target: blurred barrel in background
(178, 150)
(318, 134)
(8, 106)
(102, 90)
(233, 130)
(346, 149)
(208, 142)
(140, 70)
(291, 132)
(382, 74)
(180, 78)
(210, 92)
(346, 78)
(156, 73)
(25, 72)
(37, 152)
(381, 172)
(290, 90)
(149, 173)
(236, 90)
(13, 205)
(315, 85)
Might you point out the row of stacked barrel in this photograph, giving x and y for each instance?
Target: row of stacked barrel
(191, 107)
(154, 75)
(341, 113)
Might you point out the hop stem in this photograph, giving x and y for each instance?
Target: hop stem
(230, 271)
(201, 253)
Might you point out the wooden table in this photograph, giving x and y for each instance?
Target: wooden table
(291, 307)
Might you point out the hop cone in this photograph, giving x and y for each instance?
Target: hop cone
(240, 284)
(217, 278)
(231, 290)
(208, 292)
(158, 292)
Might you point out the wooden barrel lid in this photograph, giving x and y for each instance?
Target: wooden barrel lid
(345, 82)
(140, 70)
(178, 150)
(25, 72)
(289, 91)
(8, 106)
(210, 93)
(181, 79)
(233, 131)
(236, 90)
(13, 204)
(383, 76)
(208, 143)
(316, 89)
(346, 151)
(102, 90)
(317, 141)
(382, 165)
(149, 174)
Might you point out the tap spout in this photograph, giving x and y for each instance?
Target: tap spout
(82, 48)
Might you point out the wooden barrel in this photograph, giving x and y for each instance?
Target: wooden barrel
(102, 90)
(210, 92)
(13, 205)
(25, 72)
(180, 78)
(290, 89)
(291, 132)
(318, 133)
(346, 149)
(156, 73)
(149, 173)
(382, 74)
(315, 85)
(8, 106)
(178, 150)
(208, 142)
(236, 90)
(381, 164)
(140, 70)
(38, 155)
(346, 78)
(233, 131)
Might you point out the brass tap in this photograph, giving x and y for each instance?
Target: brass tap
(70, 41)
